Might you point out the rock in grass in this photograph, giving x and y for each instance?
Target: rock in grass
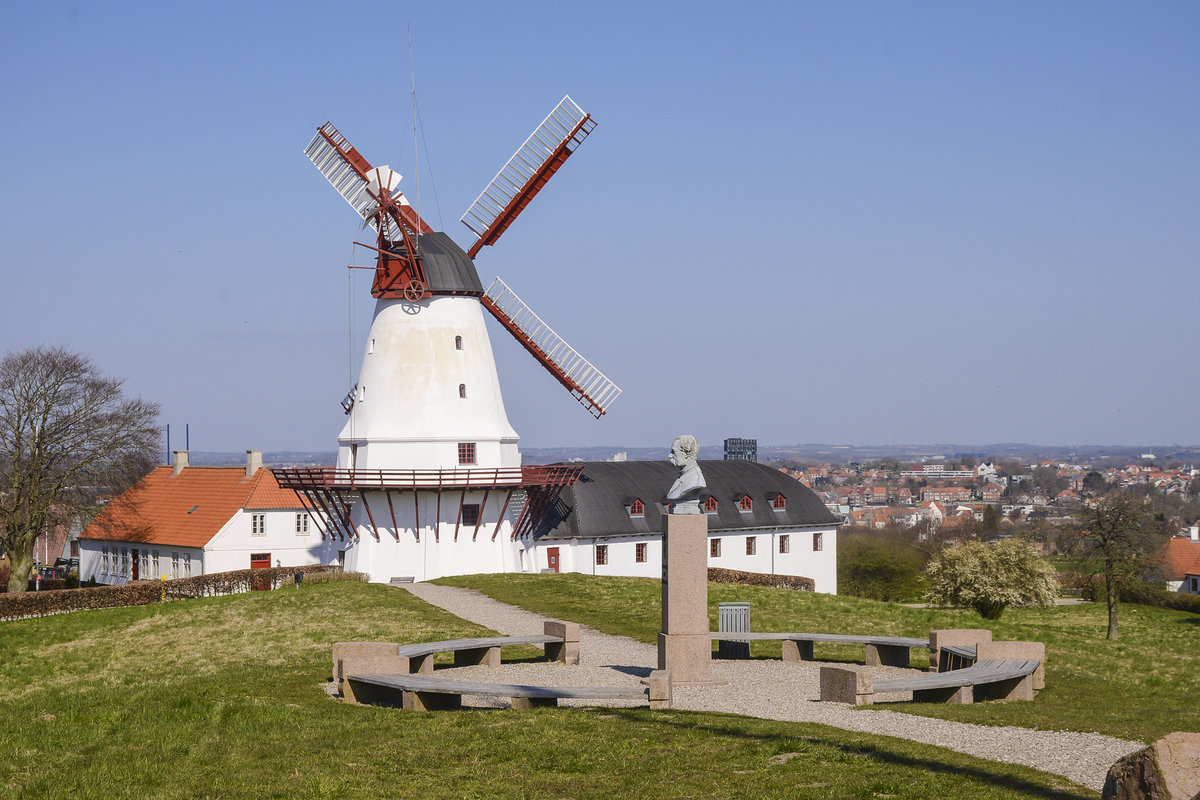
(1169, 769)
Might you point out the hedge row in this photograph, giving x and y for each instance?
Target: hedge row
(718, 575)
(140, 593)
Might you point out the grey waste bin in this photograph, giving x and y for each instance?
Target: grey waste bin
(733, 618)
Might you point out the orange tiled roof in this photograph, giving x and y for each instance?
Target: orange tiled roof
(1178, 557)
(188, 509)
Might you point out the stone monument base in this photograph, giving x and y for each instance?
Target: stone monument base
(685, 643)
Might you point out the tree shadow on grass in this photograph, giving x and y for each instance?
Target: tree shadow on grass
(874, 752)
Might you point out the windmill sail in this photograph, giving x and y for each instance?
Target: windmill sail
(357, 181)
(534, 163)
(588, 385)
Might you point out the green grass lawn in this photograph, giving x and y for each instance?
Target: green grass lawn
(221, 697)
(1141, 686)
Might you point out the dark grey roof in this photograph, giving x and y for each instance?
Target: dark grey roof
(598, 505)
(448, 269)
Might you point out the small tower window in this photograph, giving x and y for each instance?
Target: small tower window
(458, 343)
(466, 452)
(779, 503)
(637, 508)
(710, 505)
(746, 504)
(462, 391)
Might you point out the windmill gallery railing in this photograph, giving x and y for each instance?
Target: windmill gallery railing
(334, 492)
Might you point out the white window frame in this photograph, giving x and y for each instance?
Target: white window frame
(302, 524)
(258, 524)
(187, 565)
(104, 560)
(154, 560)
(174, 565)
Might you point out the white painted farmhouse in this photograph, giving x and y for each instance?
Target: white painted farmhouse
(181, 521)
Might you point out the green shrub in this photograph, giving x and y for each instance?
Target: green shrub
(879, 569)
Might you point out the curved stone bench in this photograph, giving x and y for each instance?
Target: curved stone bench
(560, 642)
(890, 651)
(416, 692)
(986, 679)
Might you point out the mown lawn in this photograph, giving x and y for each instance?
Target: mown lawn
(1141, 686)
(221, 698)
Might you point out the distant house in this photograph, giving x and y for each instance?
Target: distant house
(181, 521)
(946, 494)
(1178, 560)
(991, 493)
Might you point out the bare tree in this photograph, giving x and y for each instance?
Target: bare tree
(67, 433)
(1116, 537)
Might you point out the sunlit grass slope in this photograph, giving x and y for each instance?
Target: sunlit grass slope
(1139, 687)
(221, 698)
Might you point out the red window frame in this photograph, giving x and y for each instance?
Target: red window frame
(639, 552)
(637, 508)
(601, 554)
(710, 505)
(714, 548)
(785, 543)
(779, 503)
(746, 503)
(466, 453)
(751, 545)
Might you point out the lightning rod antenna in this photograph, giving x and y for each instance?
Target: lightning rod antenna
(412, 72)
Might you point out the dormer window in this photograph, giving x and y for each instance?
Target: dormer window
(710, 505)
(745, 503)
(637, 508)
(779, 503)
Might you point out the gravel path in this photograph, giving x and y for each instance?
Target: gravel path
(772, 690)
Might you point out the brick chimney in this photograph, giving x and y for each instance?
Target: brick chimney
(180, 461)
(253, 462)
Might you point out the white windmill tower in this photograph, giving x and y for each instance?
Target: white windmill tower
(427, 453)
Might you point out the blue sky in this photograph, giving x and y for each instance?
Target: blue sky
(803, 222)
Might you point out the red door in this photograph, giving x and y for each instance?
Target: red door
(552, 558)
(134, 572)
(260, 561)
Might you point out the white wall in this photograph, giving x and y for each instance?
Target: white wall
(231, 548)
(801, 560)
(174, 562)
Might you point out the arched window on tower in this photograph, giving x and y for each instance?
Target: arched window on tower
(458, 343)
(462, 390)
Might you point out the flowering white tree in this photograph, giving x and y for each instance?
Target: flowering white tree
(990, 578)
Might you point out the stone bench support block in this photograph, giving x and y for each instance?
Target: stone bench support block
(566, 651)
(964, 695)
(1018, 650)
(430, 701)
(660, 689)
(477, 656)
(358, 651)
(846, 685)
(960, 637)
(886, 655)
(797, 651)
